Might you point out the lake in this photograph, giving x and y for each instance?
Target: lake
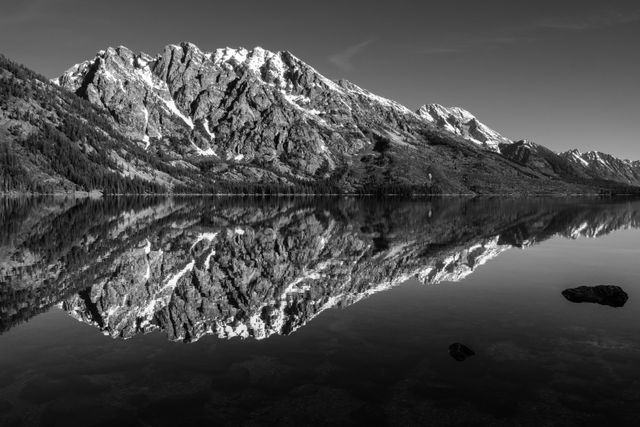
(316, 311)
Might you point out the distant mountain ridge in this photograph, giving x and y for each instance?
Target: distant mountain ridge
(238, 120)
(591, 164)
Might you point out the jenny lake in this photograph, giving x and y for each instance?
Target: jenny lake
(298, 311)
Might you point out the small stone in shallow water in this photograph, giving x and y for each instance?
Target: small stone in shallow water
(460, 352)
(609, 295)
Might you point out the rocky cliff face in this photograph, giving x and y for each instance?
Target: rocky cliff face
(461, 122)
(53, 141)
(239, 105)
(191, 268)
(572, 164)
(238, 115)
(595, 164)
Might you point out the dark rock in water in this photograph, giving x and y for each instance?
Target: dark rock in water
(609, 295)
(460, 352)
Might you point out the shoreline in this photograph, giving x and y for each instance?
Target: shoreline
(98, 195)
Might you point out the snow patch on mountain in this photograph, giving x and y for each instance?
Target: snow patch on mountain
(171, 106)
(207, 129)
(461, 122)
(201, 152)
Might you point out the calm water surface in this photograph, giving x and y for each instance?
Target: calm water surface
(323, 311)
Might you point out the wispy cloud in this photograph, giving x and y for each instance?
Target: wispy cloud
(344, 59)
(530, 32)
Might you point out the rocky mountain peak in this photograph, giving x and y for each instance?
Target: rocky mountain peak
(238, 104)
(461, 122)
(603, 165)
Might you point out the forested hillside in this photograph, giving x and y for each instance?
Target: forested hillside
(53, 141)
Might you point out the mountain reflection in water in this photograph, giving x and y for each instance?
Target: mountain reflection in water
(227, 267)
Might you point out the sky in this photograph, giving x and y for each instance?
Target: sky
(565, 74)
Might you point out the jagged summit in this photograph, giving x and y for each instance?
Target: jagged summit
(196, 121)
(602, 165)
(461, 122)
(212, 97)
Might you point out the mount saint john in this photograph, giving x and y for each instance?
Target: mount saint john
(238, 120)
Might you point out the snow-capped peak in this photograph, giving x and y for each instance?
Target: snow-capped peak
(602, 165)
(461, 122)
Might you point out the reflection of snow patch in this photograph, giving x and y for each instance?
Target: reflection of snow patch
(229, 331)
(459, 265)
(293, 286)
(171, 283)
(147, 251)
(207, 261)
(162, 296)
(203, 236)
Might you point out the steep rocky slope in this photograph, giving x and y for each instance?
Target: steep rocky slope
(461, 122)
(252, 108)
(570, 165)
(51, 140)
(239, 115)
(237, 104)
(595, 164)
(591, 167)
(190, 267)
(248, 121)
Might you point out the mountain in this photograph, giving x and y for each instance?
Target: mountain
(592, 167)
(461, 122)
(273, 117)
(238, 120)
(54, 141)
(219, 99)
(595, 164)
(230, 267)
(572, 165)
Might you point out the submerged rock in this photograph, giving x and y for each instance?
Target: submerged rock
(610, 295)
(460, 352)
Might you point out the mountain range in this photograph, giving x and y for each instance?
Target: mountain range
(238, 120)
